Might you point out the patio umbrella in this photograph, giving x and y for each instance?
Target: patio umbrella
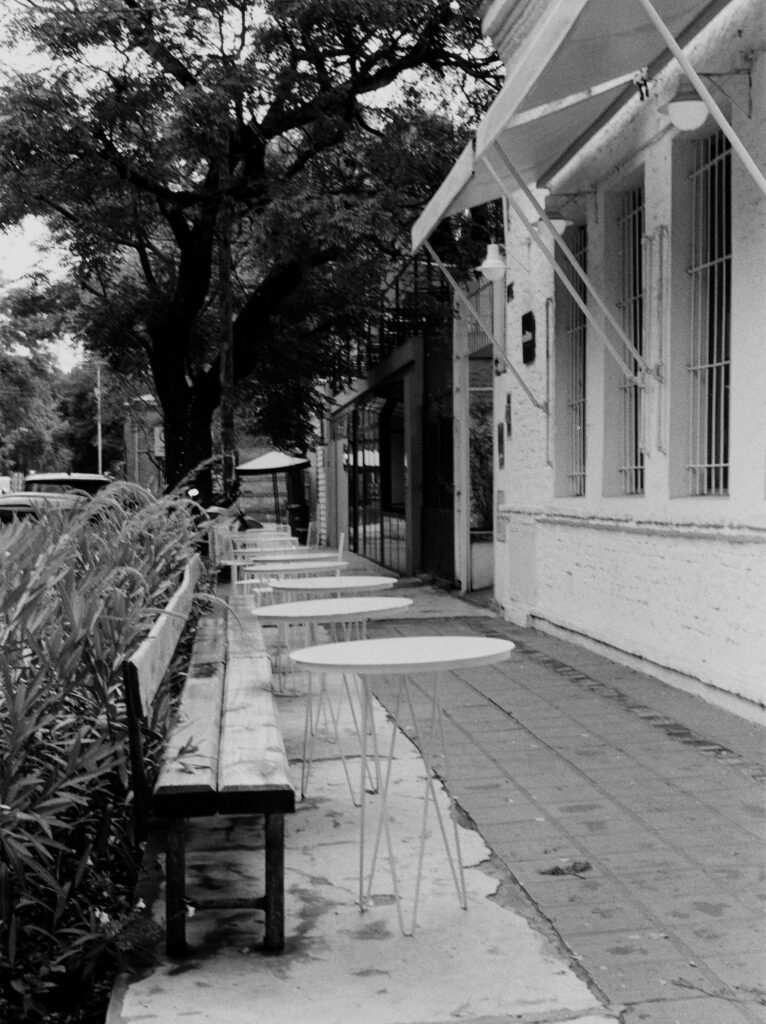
(272, 463)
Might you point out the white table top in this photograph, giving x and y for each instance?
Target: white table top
(293, 555)
(406, 654)
(334, 584)
(267, 547)
(331, 609)
(289, 568)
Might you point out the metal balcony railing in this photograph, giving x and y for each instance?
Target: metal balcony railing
(415, 301)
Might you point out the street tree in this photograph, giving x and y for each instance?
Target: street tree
(30, 424)
(252, 159)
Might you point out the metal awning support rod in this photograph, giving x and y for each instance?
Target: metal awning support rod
(559, 271)
(623, 337)
(737, 145)
(554, 106)
(465, 298)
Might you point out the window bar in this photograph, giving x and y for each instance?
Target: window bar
(651, 299)
(710, 331)
(662, 326)
(631, 304)
(575, 332)
(695, 363)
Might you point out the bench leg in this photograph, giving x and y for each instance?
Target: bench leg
(175, 888)
(274, 940)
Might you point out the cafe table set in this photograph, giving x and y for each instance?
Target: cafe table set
(342, 673)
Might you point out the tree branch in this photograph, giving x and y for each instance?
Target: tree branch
(147, 41)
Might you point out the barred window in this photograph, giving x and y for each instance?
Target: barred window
(482, 298)
(572, 363)
(709, 358)
(631, 303)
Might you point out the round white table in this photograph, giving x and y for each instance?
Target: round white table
(345, 610)
(400, 658)
(331, 586)
(256, 577)
(347, 615)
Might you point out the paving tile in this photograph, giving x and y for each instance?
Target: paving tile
(748, 817)
(702, 1010)
(744, 935)
(676, 911)
(748, 881)
(591, 917)
(664, 797)
(646, 860)
(513, 815)
(718, 849)
(672, 883)
(612, 773)
(522, 844)
(709, 774)
(744, 972)
(685, 820)
(608, 825)
(582, 805)
(748, 792)
(655, 981)
(551, 891)
(536, 856)
(626, 845)
(635, 946)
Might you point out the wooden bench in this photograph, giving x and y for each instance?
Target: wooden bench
(224, 753)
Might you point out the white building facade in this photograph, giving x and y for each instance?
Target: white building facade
(630, 416)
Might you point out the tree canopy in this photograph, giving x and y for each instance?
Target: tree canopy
(48, 417)
(305, 133)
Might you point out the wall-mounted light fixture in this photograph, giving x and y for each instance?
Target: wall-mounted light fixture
(493, 267)
(686, 110)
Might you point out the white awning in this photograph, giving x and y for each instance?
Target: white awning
(573, 67)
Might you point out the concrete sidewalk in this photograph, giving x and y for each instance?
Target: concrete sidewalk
(631, 816)
(612, 831)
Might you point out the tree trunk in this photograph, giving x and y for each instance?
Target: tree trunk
(188, 405)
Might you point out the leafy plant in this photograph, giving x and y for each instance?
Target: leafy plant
(76, 596)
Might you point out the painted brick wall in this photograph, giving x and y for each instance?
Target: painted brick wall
(686, 600)
(678, 581)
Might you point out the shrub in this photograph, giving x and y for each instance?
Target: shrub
(76, 596)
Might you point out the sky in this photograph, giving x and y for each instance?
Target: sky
(21, 248)
(21, 253)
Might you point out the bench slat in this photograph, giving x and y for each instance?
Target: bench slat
(187, 782)
(253, 769)
(151, 660)
(209, 647)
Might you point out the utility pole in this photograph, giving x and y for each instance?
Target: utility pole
(99, 445)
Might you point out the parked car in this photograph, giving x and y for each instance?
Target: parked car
(36, 503)
(50, 491)
(60, 483)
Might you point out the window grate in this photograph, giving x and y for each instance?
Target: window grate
(482, 297)
(631, 226)
(709, 362)
(575, 339)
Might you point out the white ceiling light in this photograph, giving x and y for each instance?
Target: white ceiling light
(686, 110)
(493, 266)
